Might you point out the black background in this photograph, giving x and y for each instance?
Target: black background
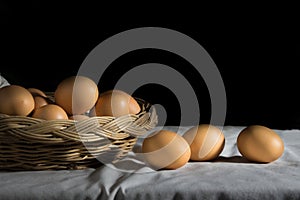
(256, 51)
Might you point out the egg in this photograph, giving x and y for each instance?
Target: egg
(36, 92)
(259, 143)
(40, 98)
(50, 112)
(79, 117)
(165, 150)
(39, 101)
(76, 94)
(115, 103)
(206, 142)
(16, 100)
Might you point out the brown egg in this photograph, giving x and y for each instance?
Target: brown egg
(39, 101)
(16, 100)
(76, 94)
(79, 117)
(166, 150)
(36, 92)
(116, 103)
(206, 142)
(50, 112)
(260, 144)
(40, 98)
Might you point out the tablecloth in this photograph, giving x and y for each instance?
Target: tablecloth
(228, 177)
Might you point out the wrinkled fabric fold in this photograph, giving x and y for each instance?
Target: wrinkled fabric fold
(228, 177)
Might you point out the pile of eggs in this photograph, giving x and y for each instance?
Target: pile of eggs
(76, 98)
(165, 149)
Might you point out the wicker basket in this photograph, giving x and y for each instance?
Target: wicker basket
(28, 143)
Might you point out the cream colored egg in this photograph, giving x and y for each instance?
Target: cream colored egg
(206, 142)
(260, 144)
(166, 150)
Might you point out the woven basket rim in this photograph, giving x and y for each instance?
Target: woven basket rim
(147, 110)
(28, 143)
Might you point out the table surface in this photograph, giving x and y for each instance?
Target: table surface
(228, 177)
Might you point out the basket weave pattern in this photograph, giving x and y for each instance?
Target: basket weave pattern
(28, 143)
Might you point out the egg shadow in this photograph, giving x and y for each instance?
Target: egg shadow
(137, 149)
(235, 159)
(232, 159)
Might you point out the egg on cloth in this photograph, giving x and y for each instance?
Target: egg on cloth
(16, 100)
(259, 143)
(76, 94)
(165, 150)
(206, 142)
(115, 103)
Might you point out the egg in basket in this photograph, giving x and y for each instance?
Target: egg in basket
(74, 127)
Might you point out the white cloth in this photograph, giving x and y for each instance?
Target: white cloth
(3, 81)
(229, 177)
